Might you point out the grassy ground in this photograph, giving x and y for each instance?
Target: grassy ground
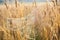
(39, 21)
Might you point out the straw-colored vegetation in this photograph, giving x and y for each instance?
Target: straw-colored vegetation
(30, 22)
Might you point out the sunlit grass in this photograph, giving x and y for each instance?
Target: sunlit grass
(30, 21)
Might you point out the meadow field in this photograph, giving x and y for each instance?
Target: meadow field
(30, 21)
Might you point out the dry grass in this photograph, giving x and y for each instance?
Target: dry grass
(30, 22)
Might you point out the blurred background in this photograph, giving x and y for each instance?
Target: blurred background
(1, 1)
